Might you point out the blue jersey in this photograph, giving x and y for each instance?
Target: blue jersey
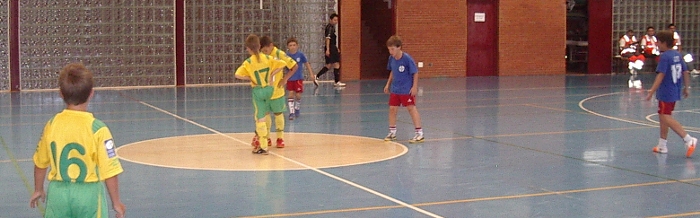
(404, 70)
(672, 66)
(300, 58)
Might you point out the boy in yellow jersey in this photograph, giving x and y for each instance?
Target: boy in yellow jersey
(278, 102)
(260, 69)
(81, 153)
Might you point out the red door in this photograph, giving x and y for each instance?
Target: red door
(482, 38)
(377, 26)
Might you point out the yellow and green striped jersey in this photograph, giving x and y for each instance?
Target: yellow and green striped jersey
(259, 70)
(78, 148)
(289, 63)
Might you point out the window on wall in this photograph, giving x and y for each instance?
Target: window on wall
(4, 41)
(217, 28)
(577, 20)
(637, 15)
(576, 35)
(687, 21)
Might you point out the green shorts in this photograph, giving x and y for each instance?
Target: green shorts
(278, 105)
(261, 101)
(66, 199)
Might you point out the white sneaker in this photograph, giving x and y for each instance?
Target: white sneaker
(660, 149)
(416, 138)
(339, 84)
(691, 146)
(390, 137)
(695, 71)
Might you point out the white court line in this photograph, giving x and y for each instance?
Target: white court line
(653, 124)
(300, 164)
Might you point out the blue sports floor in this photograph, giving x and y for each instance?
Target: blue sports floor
(524, 146)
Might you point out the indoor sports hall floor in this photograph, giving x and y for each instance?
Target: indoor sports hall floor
(524, 146)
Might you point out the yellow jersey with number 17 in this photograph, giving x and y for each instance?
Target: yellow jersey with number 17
(259, 70)
(78, 148)
(289, 63)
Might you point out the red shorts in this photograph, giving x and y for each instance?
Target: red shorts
(666, 107)
(401, 100)
(296, 86)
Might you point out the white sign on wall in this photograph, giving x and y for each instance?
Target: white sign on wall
(479, 17)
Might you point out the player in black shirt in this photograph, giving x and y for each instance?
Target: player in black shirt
(332, 52)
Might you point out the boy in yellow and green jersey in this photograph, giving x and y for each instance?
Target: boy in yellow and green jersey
(260, 69)
(278, 102)
(80, 151)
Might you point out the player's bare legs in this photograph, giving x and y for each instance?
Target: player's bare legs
(415, 116)
(666, 122)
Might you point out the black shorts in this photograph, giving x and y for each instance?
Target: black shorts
(334, 56)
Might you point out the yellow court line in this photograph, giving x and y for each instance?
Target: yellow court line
(563, 132)
(247, 98)
(16, 160)
(365, 94)
(533, 134)
(549, 108)
(359, 111)
(236, 116)
(678, 215)
(13, 160)
(506, 197)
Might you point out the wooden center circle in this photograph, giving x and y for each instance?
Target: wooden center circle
(233, 152)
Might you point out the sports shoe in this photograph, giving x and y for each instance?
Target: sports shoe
(660, 150)
(339, 84)
(260, 151)
(255, 142)
(691, 146)
(390, 137)
(280, 143)
(417, 138)
(296, 112)
(291, 116)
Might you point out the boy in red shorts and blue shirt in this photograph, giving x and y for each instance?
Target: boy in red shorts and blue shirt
(403, 87)
(672, 81)
(295, 84)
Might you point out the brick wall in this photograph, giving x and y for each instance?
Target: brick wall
(350, 40)
(540, 25)
(434, 32)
